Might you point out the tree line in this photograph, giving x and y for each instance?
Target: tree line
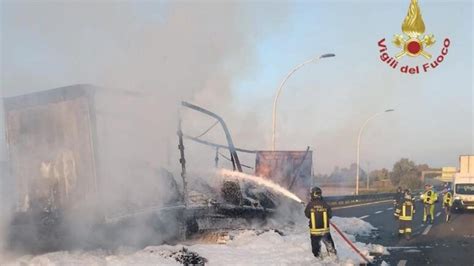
(405, 173)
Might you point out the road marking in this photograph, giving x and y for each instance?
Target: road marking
(377, 212)
(363, 204)
(438, 214)
(407, 247)
(427, 229)
(363, 217)
(391, 208)
(402, 263)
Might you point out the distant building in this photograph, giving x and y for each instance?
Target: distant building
(466, 164)
(447, 173)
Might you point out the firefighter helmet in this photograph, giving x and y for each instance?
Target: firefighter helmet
(316, 193)
(407, 194)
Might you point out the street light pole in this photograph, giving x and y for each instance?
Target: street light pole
(358, 146)
(277, 95)
(368, 176)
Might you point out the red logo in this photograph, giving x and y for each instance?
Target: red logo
(413, 43)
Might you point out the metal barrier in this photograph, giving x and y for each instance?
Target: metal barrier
(353, 199)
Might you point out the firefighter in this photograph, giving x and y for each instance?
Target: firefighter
(396, 202)
(405, 215)
(447, 203)
(429, 199)
(319, 214)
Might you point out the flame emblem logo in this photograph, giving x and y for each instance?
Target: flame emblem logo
(413, 42)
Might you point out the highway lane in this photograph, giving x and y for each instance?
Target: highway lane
(438, 244)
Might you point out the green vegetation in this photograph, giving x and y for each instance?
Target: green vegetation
(405, 173)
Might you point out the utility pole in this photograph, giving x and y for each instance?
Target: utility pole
(368, 175)
(358, 146)
(282, 84)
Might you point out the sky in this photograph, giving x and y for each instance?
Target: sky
(231, 57)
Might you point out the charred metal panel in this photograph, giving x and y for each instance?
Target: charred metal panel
(290, 169)
(96, 135)
(50, 147)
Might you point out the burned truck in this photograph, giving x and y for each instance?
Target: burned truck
(84, 172)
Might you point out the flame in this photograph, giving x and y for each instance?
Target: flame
(413, 24)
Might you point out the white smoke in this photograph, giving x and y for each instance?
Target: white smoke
(147, 56)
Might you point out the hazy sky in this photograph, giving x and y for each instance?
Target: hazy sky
(323, 105)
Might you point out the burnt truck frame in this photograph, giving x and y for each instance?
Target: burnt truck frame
(53, 138)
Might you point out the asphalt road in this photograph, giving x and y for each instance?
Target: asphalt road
(438, 244)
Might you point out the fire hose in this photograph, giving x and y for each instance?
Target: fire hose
(350, 243)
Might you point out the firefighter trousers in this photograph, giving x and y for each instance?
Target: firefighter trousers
(404, 227)
(316, 244)
(428, 209)
(447, 211)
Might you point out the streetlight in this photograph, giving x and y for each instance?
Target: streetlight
(358, 146)
(281, 86)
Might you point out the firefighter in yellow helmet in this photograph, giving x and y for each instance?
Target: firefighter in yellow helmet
(405, 215)
(429, 199)
(319, 214)
(447, 202)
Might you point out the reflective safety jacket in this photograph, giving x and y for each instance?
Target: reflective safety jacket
(448, 198)
(398, 210)
(319, 214)
(406, 210)
(430, 197)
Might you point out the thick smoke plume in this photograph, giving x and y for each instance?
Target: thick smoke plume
(151, 54)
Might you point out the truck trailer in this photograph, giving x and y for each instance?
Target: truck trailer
(79, 153)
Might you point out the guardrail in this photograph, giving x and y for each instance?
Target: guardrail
(353, 199)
